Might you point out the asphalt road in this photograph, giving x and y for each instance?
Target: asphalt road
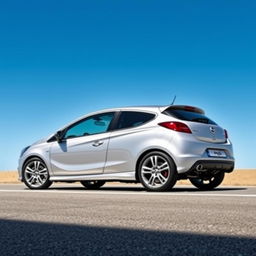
(126, 220)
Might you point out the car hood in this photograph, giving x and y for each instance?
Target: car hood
(39, 141)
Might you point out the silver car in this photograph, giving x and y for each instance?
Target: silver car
(154, 145)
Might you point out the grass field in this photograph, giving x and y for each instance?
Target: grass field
(236, 178)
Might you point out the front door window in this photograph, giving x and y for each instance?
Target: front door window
(91, 125)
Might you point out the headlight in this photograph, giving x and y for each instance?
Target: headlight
(24, 150)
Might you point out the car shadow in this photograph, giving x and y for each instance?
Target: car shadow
(45, 238)
(180, 189)
(137, 188)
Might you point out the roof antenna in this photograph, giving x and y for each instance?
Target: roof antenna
(173, 100)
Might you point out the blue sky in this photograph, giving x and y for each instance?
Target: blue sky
(62, 59)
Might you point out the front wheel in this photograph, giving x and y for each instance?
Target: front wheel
(92, 184)
(35, 174)
(208, 182)
(157, 172)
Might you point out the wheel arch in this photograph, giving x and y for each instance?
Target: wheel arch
(145, 153)
(29, 158)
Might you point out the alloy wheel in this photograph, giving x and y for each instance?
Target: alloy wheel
(157, 172)
(36, 174)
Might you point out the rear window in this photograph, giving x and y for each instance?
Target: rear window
(188, 116)
(129, 119)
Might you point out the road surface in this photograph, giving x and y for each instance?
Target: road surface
(127, 220)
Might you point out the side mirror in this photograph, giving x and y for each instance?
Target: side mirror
(59, 136)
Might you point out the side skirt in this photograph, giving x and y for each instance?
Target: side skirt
(107, 176)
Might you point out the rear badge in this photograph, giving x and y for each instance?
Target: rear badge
(212, 129)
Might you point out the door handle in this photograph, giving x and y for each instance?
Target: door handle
(97, 143)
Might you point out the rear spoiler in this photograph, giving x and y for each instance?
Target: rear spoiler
(182, 107)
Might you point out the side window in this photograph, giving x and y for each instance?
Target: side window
(91, 125)
(129, 119)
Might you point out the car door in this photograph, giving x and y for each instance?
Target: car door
(126, 140)
(83, 147)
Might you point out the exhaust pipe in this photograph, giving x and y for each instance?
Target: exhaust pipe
(200, 168)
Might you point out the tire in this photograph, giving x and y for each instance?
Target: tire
(208, 183)
(157, 172)
(92, 184)
(35, 174)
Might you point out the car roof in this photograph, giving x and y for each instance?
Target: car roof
(158, 108)
(150, 108)
(146, 108)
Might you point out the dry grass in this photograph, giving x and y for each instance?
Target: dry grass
(236, 178)
(9, 177)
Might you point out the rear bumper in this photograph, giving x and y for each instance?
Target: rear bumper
(186, 151)
(208, 167)
(214, 165)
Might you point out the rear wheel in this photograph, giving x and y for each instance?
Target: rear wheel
(208, 182)
(92, 184)
(157, 172)
(35, 174)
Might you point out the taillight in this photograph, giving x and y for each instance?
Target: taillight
(226, 133)
(176, 126)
